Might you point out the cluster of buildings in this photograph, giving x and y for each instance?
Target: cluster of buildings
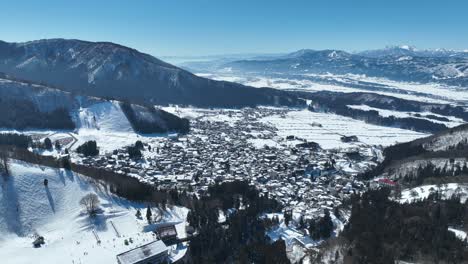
(297, 173)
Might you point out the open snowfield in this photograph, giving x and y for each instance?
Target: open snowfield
(299, 123)
(214, 115)
(432, 92)
(453, 121)
(28, 207)
(446, 190)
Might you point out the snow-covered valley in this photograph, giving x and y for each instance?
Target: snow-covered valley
(430, 92)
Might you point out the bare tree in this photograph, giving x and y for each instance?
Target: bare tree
(91, 203)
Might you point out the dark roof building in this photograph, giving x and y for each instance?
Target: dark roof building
(154, 252)
(167, 233)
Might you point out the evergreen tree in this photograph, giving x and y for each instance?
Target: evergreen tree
(287, 217)
(301, 222)
(326, 225)
(139, 145)
(134, 152)
(149, 214)
(313, 230)
(138, 214)
(47, 143)
(66, 164)
(88, 148)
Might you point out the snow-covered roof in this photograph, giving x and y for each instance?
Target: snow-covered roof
(141, 253)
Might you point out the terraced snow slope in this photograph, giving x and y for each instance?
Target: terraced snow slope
(28, 207)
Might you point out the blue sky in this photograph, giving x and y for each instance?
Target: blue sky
(203, 27)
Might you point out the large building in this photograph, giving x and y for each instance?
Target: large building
(154, 253)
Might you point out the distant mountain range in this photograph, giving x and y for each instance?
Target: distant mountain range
(110, 70)
(402, 63)
(406, 50)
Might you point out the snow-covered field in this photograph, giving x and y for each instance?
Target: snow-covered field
(432, 92)
(453, 121)
(300, 123)
(446, 190)
(215, 115)
(28, 208)
(305, 124)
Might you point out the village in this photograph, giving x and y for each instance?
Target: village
(302, 176)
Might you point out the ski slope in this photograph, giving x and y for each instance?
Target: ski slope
(28, 207)
(107, 116)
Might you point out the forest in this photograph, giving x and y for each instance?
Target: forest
(166, 121)
(383, 231)
(23, 114)
(17, 140)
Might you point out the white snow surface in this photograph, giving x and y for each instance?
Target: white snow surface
(28, 207)
(106, 116)
(453, 121)
(430, 92)
(459, 233)
(299, 123)
(447, 190)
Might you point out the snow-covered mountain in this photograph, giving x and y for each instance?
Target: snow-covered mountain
(406, 50)
(110, 70)
(401, 64)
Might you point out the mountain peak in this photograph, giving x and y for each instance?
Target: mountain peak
(406, 47)
(310, 53)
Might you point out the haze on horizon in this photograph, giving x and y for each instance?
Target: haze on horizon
(202, 28)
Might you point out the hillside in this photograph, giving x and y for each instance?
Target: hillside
(28, 105)
(440, 158)
(388, 110)
(28, 208)
(110, 70)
